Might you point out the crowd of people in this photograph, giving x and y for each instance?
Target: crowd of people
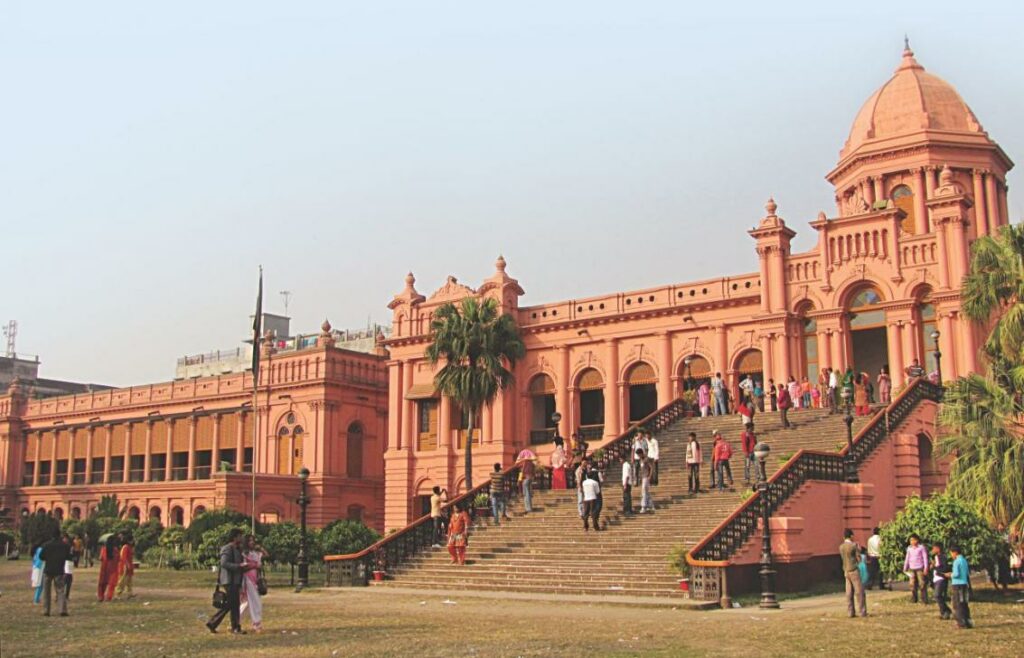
(54, 563)
(945, 570)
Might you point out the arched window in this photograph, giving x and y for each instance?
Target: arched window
(76, 512)
(134, 512)
(862, 313)
(927, 324)
(177, 515)
(289, 446)
(354, 450)
(903, 198)
(542, 407)
(694, 371)
(154, 513)
(591, 397)
(58, 513)
(198, 510)
(809, 344)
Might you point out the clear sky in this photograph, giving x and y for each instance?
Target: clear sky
(152, 155)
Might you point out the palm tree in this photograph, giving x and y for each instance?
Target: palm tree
(479, 347)
(982, 413)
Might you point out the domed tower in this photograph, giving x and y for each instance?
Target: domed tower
(903, 136)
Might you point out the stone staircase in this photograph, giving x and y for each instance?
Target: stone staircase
(548, 551)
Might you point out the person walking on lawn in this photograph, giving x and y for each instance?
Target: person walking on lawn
(940, 580)
(747, 442)
(126, 560)
(55, 553)
(849, 553)
(960, 578)
(915, 564)
(693, 461)
(230, 572)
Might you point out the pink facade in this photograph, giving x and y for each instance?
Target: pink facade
(917, 181)
(173, 449)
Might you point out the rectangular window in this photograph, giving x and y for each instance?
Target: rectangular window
(226, 462)
(27, 474)
(203, 459)
(157, 467)
(137, 469)
(117, 469)
(78, 474)
(62, 472)
(179, 466)
(247, 464)
(96, 470)
(44, 472)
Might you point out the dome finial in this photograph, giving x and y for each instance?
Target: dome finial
(771, 206)
(906, 45)
(908, 61)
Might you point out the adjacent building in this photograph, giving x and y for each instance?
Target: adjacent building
(917, 181)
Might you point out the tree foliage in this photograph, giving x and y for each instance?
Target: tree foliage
(215, 518)
(479, 346)
(213, 539)
(981, 414)
(942, 518)
(344, 537)
(282, 542)
(38, 528)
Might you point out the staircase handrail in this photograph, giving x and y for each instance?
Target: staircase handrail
(410, 540)
(716, 548)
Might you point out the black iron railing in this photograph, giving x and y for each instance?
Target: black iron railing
(718, 546)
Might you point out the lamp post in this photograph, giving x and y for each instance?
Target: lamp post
(938, 356)
(303, 561)
(851, 472)
(761, 452)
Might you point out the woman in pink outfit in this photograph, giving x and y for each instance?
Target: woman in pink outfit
(704, 399)
(884, 386)
(252, 554)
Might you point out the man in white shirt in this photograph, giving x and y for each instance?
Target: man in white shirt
(627, 487)
(747, 388)
(874, 551)
(591, 489)
(718, 392)
(581, 474)
(833, 386)
(652, 454)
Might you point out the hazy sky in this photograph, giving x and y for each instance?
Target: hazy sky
(153, 154)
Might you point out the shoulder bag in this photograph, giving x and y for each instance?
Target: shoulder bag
(261, 583)
(220, 597)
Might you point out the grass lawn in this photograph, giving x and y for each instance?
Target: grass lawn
(165, 619)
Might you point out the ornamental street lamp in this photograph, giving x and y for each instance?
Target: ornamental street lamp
(938, 357)
(851, 471)
(303, 561)
(761, 452)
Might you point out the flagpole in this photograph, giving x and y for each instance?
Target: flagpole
(257, 324)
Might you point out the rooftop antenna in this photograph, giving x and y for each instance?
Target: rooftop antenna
(10, 333)
(287, 294)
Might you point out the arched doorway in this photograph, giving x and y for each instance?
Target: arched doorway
(927, 324)
(810, 364)
(354, 450)
(694, 371)
(542, 406)
(868, 338)
(642, 382)
(591, 388)
(750, 362)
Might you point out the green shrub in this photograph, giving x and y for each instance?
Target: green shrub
(945, 519)
(147, 535)
(208, 553)
(38, 528)
(173, 537)
(282, 542)
(343, 537)
(211, 519)
(159, 556)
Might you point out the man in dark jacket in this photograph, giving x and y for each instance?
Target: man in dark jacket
(54, 555)
(941, 567)
(229, 576)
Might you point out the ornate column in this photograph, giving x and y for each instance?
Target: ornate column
(721, 349)
(955, 360)
(89, 433)
(487, 419)
(408, 438)
(169, 459)
(769, 362)
(562, 404)
(68, 477)
(766, 296)
(980, 216)
(215, 446)
(877, 186)
(192, 421)
(665, 394)
(869, 191)
(824, 349)
(894, 336)
(943, 259)
(920, 202)
(39, 458)
(240, 443)
(992, 202)
(930, 178)
(836, 337)
(146, 467)
(1003, 210)
(126, 475)
(785, 357)
(106, 453)
(612, 426)
(395, 388)
(910, 348)
(444, 422)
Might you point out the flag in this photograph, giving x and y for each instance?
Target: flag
(257, 323)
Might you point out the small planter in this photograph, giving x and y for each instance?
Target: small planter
(684, 585)
(378, 576)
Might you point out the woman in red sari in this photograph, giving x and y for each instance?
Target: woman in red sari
(458, 535)
(558, 461)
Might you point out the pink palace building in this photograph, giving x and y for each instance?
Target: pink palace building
(917, 181)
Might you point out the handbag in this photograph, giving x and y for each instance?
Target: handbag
(220, 598)
(261, 583)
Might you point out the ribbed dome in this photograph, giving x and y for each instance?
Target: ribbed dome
(911, 101)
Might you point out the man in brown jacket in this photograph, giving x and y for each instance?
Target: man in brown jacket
(849, 552)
